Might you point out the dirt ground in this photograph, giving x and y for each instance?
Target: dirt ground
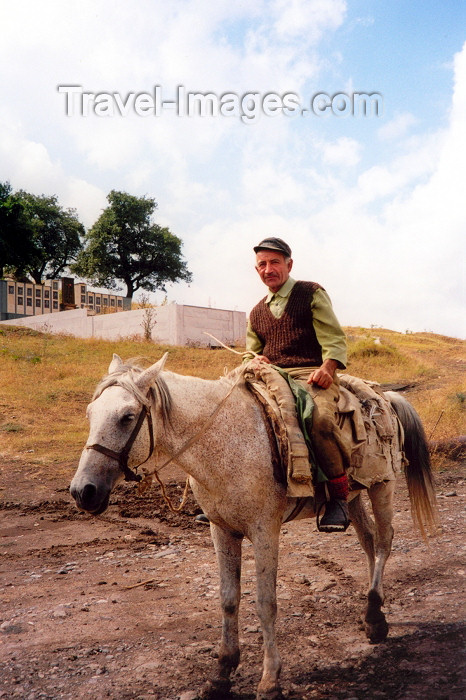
(125, 605)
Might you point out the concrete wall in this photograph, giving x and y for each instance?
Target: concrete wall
(175, 324)
(73, 322)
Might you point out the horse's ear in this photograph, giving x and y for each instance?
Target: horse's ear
(115, 363)
(150, 374)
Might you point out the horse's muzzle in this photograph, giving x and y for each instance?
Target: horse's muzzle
(90, 498)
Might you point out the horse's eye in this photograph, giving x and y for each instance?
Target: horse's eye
(127, 418)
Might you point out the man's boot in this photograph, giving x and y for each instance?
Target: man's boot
(202, 518)
(336, 516)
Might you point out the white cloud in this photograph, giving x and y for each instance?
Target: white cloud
(28, 165)
(404, 263)
(307, 18)
(382, 229)
(397, 127)
(410, 165)
(344, 152)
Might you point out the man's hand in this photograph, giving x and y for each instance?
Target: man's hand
(323, 376)
(258, 359)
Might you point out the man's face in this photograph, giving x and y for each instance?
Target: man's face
(273, 268)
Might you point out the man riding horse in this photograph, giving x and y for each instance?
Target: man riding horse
(295, 328)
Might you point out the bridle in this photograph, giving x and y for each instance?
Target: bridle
(122, 456)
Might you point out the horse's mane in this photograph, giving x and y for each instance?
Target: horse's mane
(159, 394)
(125, 376)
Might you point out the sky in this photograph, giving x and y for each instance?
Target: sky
(373, 206)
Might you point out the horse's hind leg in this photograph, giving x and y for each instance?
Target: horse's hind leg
(381, 496)
(228, 551)
(376, 542)
(365, 531)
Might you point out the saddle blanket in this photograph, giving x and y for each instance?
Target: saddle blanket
(365, 417)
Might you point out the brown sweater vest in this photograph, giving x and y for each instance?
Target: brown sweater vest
(289, 341)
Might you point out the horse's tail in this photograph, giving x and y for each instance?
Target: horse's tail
(418, 471)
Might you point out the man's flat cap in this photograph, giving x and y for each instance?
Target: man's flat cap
(274, 244)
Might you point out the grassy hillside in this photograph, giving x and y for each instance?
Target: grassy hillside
(47, 380)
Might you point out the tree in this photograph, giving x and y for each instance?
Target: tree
(17, 248)
(56, 234)
(125, 245)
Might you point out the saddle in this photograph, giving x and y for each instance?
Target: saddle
(365, 417)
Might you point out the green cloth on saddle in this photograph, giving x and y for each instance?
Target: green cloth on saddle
(304, 409)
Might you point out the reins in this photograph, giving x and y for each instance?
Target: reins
(122, 456)
(206, 425)
(188, 444)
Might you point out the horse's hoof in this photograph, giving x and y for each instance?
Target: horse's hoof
(376, 632)
(217, 689)
(270, 694)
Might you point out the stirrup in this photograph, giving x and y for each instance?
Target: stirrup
(333, 527)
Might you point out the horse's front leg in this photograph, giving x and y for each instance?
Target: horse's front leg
(228, 551)
(266, 560)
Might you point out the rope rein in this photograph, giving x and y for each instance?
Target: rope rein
(166, 497)
(188, 444)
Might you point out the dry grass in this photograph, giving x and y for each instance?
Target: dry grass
(386, 362)
(433, 363)
(47, 381)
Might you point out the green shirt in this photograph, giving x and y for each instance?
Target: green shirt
(328, 330)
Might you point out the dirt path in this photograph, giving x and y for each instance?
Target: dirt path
(74, 622)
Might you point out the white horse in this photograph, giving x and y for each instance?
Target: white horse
(138, 415)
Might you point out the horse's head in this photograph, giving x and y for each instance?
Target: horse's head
(120, 435)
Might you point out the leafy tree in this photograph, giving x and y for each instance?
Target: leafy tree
(56, 234)
(17, 248)
(125, 245)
